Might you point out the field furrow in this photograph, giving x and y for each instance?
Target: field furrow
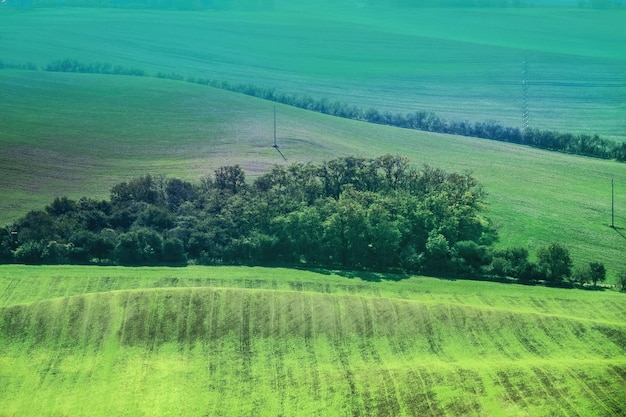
(263, 352)
(257, 345)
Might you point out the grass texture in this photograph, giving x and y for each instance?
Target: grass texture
(237, 341)
(88, 341)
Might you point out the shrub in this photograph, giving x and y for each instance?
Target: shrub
(621, 282)
(174, 252)
(30, 253)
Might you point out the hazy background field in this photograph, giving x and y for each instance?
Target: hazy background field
(461, 63)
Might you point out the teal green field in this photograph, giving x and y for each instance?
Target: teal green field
(463, 64)
(238, 341)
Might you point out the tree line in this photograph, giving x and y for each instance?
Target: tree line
(578, 144)
(379, 214)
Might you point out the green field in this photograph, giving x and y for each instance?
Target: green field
(235, 341)
(79, 134)
(252, 341)
(463, 64)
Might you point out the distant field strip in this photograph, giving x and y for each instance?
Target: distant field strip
(461, 64)
(237, 346)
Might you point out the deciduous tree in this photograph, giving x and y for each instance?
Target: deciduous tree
(554, 262)
(598, 272)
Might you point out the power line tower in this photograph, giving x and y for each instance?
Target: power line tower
(524, 97)
(275, 146)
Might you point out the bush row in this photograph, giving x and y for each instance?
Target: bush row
(28, 66)
(581, 144)
(72, 65)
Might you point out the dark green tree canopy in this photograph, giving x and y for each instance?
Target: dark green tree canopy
(375, 213)
(554, 262)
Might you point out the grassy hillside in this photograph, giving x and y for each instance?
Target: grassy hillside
(464, 64)
(78, 134)
(254, 341)
(240, 341)
(75, 135)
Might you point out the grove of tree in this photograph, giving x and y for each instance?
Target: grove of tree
(380, 214)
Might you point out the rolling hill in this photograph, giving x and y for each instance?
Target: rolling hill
(450, 63)
(79, 134)
(463, 64)
(233, 341)
(251, 341)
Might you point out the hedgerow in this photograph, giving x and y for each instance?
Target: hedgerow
(579, 144)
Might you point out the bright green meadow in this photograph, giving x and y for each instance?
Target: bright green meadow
(238, 341)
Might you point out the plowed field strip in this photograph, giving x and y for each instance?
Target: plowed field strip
(552, 390)
(512, 392)
(596, 392)
(426, 302)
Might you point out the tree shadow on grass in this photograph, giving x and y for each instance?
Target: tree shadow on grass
(618, 230)
(595, 287)
(369, 276)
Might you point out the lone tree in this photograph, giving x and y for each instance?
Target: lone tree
(554, 262)
(598, 272)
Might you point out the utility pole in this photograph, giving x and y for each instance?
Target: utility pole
(613, 203)
(524, 98)
(275, 144)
